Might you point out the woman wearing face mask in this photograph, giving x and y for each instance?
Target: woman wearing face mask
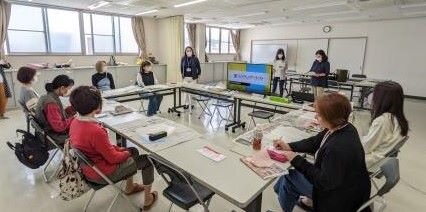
(320, 69)
(190, 69)
(4, 88)
(338, 179)
(147, 77)
(28, 97)
(279, 71)
(50, 112)
(102, 79)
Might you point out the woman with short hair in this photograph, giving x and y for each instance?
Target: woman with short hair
(338, 179)
(320, 69)
(28, 97)
(102, 80)
(117, 163)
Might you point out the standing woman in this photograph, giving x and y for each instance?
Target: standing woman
(320, 69)
(190, 69)
(4, 89)
(146, 77)
(279, 71)
(102, 79)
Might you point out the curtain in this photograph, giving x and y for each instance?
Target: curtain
(139, 34)
(235, 36)
(192, 33)
(171, 38)
(4, 21)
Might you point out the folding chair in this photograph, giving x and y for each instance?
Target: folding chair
(181, 190)
(390, 170)
(204, 104)
(86, 161)
(261, 114)
(222, 104)
(144, 98)
(43, 135)
(27, 116)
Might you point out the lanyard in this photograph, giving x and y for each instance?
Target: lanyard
(326, 137)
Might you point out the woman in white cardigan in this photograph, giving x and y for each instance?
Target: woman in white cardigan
(389, 125)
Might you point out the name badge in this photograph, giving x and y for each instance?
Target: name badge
(188, 69)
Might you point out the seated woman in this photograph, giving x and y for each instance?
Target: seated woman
(87, 135)
(102, 79)
(50, 112)
(389, 125)
(146, 77)
(28, 97)
(338, 180)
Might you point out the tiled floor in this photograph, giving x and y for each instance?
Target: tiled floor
(23, 189)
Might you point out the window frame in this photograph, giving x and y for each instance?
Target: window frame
(47, 40)
(208, 41)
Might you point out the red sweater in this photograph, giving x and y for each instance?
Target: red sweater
(54, 117)
(92, 139)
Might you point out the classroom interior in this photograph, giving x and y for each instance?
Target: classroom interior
(367, 42)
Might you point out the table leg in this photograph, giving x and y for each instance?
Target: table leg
(255, 205)
(234, 120)
(121, 142)
(289, 88)
(352, 92)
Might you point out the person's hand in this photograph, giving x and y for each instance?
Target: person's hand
(289, 155)
(281, 145)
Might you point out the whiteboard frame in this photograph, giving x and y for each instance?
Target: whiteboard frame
(315, 38)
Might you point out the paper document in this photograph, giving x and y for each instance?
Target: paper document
(288, 134)
(265, 172)
(209, 152)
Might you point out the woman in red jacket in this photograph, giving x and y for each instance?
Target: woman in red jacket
(88, 136)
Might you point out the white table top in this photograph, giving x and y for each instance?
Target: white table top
(260, 99)
(229, 178)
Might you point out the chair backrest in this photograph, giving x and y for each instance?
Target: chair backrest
(166, 170)
(36, 124)
(82, 157)
(390, 170)
(394, 152)
(359, 76)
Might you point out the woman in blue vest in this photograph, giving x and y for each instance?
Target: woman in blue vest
(146, 77)
(102, 79)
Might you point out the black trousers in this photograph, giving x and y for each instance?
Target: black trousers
(275, 82)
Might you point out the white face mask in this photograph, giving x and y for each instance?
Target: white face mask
(148, 69)
(35, 79)
(280, 56)
(319, 59)
(104, 69)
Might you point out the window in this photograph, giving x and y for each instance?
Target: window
(23, 35)
(45, 30)
(64, 31)
(127, 42)
(108, 34)
(219, 41)
(186, 35)
(214, 40)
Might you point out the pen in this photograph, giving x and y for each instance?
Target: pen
(211, 150)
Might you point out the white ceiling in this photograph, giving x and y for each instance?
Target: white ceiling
(248, 13)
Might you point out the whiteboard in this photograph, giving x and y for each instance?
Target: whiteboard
(306, 49)
(347, 53)
(265, 53)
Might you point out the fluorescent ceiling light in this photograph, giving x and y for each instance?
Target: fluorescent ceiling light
(319, 6)
(251, 14)
(407, 6)
(147, 12)
(189, 3)
(334, 13)
(97, 5)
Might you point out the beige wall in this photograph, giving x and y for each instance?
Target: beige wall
(395, 48)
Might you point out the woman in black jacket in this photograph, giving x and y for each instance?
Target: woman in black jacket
(338, 180)
(190, 69)
(320, 69)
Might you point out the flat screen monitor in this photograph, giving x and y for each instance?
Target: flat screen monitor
(250, 78)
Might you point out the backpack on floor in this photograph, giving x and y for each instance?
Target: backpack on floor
(71, 181)
(32, 152)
